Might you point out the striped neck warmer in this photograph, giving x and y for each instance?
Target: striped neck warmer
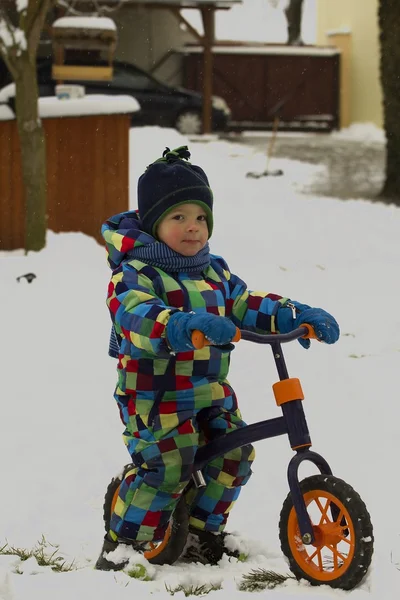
(162, 256)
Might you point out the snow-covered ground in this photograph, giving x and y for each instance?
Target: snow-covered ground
(60, 431)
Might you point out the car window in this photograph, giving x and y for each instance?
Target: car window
(133, 81)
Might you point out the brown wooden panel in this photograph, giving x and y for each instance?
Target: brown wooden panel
(5, 188)
(11, 190)
(255, 84)
(17, 193)
(305, 82)
(87, 175)
(117, 182)
(88, 171)
(241, 81)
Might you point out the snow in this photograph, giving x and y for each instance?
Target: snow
(12, 37)
(6, 114)
(93, 104)
(85, 23)
(195, 3)
(339, 31)
(361, 131)
(21, 5)
(60, 434)
(258, 21)
(271, 49)
(8, 91)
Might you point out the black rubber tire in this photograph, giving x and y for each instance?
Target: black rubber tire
(361, 521)
(108, 498)
(179, 523)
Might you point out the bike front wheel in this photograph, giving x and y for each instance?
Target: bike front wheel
(167, 550)
(342, 550)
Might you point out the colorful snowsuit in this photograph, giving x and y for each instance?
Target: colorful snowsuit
(171, 404)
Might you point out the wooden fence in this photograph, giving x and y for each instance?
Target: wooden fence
(298, 84)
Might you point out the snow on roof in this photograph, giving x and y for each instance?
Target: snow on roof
(8, 91)
(220, 3)
(11, 36)
(6, 114)
(86, 23)
(22, 5)
(281, 50)
(185, 3)
(339, 31)
(94, 104)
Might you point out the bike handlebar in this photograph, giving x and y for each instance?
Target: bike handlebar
(199, 340)
(305, 331)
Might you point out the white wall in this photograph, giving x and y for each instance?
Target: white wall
(144, 36)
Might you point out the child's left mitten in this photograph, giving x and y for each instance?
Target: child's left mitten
(294, 314)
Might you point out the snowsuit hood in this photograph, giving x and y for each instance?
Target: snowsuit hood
(122, 233)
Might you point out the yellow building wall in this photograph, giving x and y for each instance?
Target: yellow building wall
(360, 19)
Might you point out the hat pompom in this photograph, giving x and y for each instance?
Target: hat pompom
(179, 153)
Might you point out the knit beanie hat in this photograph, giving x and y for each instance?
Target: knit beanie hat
(168, 182)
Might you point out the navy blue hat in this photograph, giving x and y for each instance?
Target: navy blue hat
(168, 182)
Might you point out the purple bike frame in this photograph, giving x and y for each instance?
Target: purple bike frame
(292, 423)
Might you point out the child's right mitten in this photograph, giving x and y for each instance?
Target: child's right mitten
(218, 330)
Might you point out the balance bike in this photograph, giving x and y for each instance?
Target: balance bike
(325, 529)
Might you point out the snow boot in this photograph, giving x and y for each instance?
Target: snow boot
(207, 547)
(109, 545)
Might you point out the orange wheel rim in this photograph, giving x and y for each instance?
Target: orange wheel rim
(155, 548)
(332, 552)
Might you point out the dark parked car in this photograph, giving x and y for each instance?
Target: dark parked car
(160, 104)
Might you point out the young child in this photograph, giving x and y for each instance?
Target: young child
(171, 397)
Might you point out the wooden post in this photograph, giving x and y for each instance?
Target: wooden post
(208, 15)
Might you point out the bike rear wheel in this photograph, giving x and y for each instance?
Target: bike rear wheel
(342, 550)
(166, 551)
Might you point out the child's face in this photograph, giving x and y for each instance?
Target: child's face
(184, 229)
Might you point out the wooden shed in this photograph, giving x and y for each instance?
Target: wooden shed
(300, 85)
(87, 143)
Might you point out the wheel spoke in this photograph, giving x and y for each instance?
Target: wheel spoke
(340, 517)
(321, 508)
(320, 565)
(324, 510)
(336, 553)
(345, 539)
(335, 561)
(313, 555)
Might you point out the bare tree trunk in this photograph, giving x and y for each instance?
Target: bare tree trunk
(389, 24)
(293, 16)
(20, 57)
(33, 154)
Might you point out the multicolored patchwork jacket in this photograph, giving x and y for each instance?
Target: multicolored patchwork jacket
(141, 298)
